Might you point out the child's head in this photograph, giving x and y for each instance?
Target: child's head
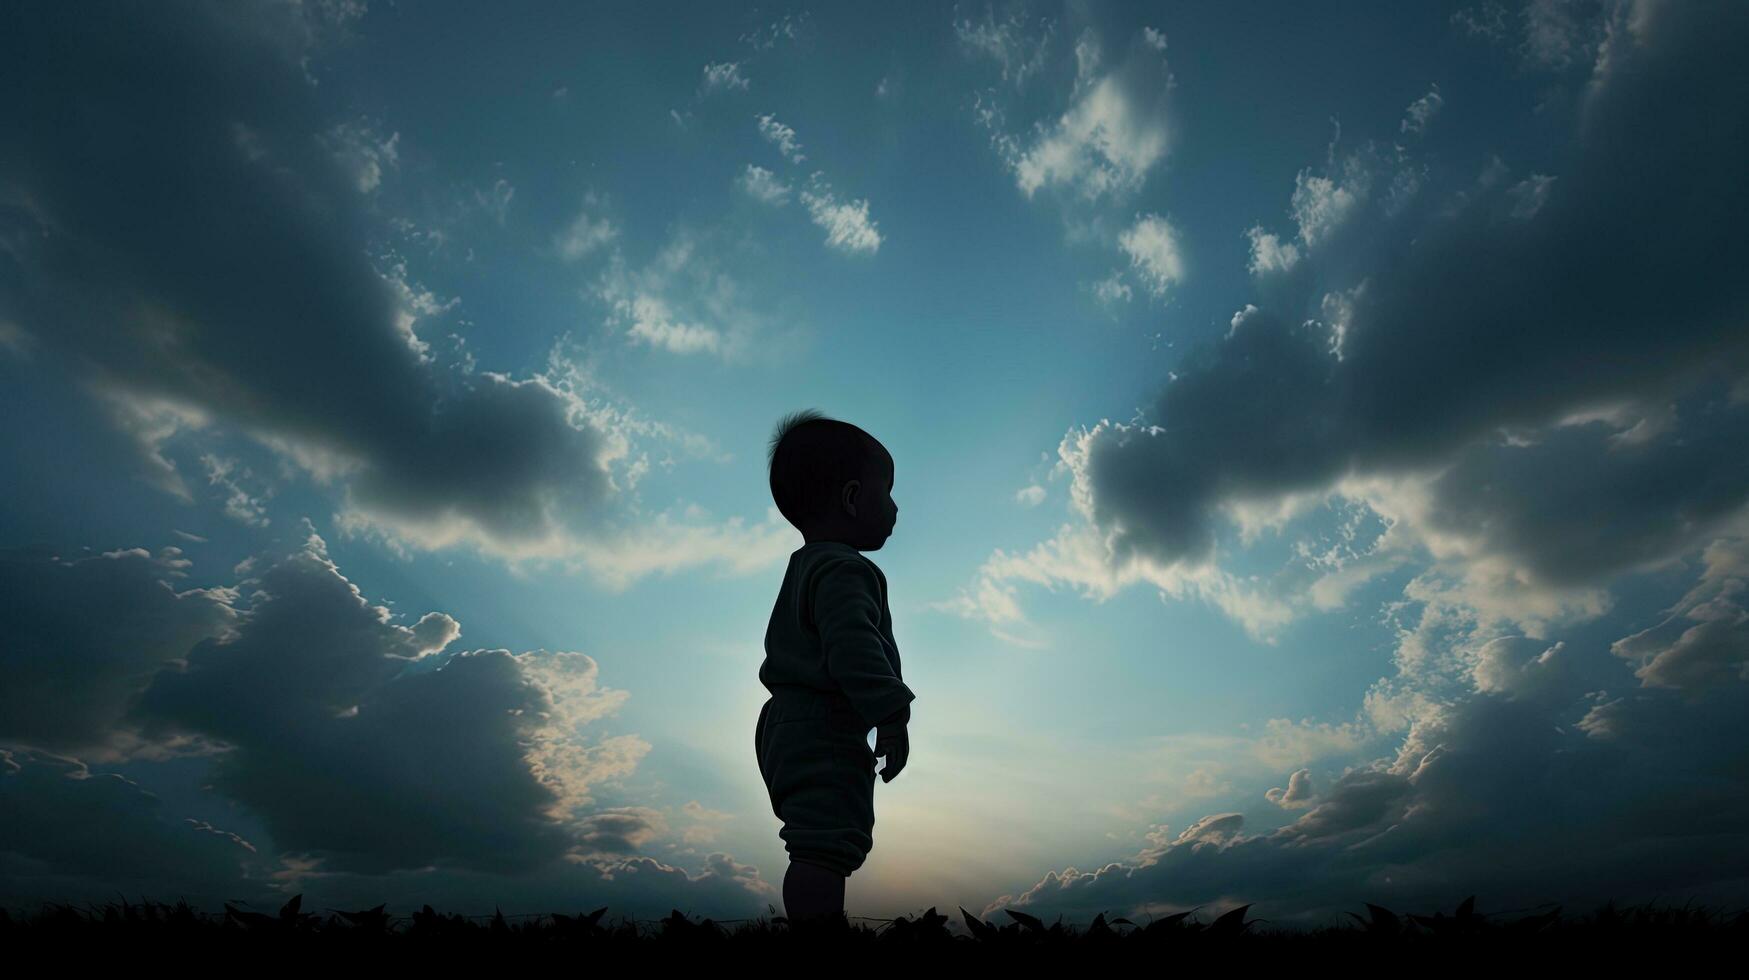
(832, 480)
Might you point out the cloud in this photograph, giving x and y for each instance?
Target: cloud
(1422, 111)
(1011, 43)
(1323, 204)
(1153, 247)
(241, 504)
(787, 28)
(1704, 642)
(1113, 133)
(1559, 33)
(1298, 794)
(1077, 556)
(782, 137)
(355, 742)
(195, 261)
(585, 234)
(69, 833)
(1112, 290)
(846, 222)
(1269, 253)
(683, 300)
(763, 186)
(495, 200)
(722, 76)
(1487, 20)
(80, 637)
(1520, 799)
(1466, 328)
(376, 763)
(362, 150)
(621, 830)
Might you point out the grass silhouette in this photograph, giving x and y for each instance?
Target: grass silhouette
(1607, 932)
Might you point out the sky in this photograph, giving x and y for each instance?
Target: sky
(1318, 430)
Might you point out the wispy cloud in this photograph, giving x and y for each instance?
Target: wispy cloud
(782, 137)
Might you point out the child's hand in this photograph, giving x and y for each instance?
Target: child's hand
(893, 742)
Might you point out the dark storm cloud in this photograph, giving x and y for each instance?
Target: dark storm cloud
(1507, 798)
(79, 638)
(1562, 362)
(174, 228)
(1514, 303)
(348, 746)
(64, 827)
(1704, 643)
(1582, 502)
(380, 768)
(620, 830)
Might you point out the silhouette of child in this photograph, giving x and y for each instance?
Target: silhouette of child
(831, 664)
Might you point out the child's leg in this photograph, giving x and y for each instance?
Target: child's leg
(812, 893)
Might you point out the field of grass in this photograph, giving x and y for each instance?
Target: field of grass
(1464, 934)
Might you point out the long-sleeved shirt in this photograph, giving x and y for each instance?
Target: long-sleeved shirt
(831, 632)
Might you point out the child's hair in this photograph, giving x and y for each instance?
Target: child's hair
(811, 456)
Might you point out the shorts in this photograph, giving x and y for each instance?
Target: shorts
(820, 773)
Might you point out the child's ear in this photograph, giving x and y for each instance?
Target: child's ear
(851, 487)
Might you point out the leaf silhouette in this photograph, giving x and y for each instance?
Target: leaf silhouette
(979, 930)
(1173, 921)
(1231, 922)
(1031, 922)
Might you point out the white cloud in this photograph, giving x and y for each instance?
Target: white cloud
(1030, 496)
(786, 28)
(586, 233)
(1111, 290)
(1020, 52)
(653, 322)
(1421, 112)
(763, 186)
(684, 300)
(1078, 556)
(722, 76)
(1321, 205)
(1105, 144)
(847, 224)
(1112, 134)
(1298, 794)
(363, 151)
(1269, 253)
(782, 137)
(1153, 247)
(240, 503)
(414, 303)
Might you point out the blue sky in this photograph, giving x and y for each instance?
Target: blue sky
(1317, 433)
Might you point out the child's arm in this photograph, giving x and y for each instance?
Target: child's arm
(847, 612)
